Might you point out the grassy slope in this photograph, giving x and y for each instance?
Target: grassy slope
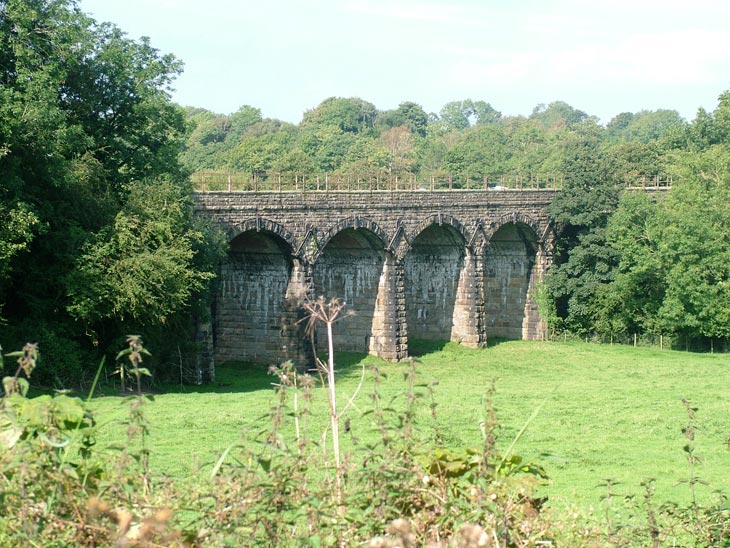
(611, 412)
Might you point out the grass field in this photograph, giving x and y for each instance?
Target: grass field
(607, 412)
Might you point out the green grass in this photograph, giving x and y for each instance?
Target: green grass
(610, 412)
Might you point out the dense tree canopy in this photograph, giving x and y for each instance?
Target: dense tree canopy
(87, 132)
(652, 265)
(467, 137)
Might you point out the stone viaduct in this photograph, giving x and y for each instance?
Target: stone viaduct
(456, 265)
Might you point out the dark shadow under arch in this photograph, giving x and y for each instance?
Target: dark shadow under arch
(437, 219)
(509, 275)
(253, 320)
(514, 218)
(433, 268)
(354, 223)
(349, 267)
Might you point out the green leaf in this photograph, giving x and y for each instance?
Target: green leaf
(265, 463)
(24, 385)
(220, 460)
(36, 412)
(123, 353)
(10, 430)
(52, 443)
(68, 410)
(70, 471)
(8, 384)
(18, 385)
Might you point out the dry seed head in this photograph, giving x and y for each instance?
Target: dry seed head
(472, 536)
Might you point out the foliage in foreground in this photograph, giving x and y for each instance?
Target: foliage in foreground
(278, 487)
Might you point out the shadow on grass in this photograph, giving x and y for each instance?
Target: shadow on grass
(421, 347)
(496, 341)
(242, 377)
(229, 377)
(345, 362)
(251, 377)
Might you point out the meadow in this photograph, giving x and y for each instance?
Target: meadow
(603, 413)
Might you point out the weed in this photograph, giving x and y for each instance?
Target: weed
(400, 481)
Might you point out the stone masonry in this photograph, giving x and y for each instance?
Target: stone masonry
(445, 265)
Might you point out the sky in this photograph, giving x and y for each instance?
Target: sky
(287, 56)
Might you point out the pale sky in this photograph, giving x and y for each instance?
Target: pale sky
(287, 56)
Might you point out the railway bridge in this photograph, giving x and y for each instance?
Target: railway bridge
(431, 259)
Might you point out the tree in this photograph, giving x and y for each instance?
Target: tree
(630, 302)
(484, 113)
(140, 270)
(408, 114)
(694, 247)
(366, 156)
(206, 142)
(557, 114)
(85, 112)
(460, 115)
(644, 126)
(480, 150)
(532, 147)
(17, 228)
(259, 153)
(398, 142)
(709, 129)
(618, 124)
(242, 120)
(327, 145)
(351, 115)
(673, 273)
(634, 161)
(585, 262)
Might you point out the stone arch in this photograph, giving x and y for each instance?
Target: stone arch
(439, 219)
(511, 268)
(260, 287)
(440, 288)
(349, 264)
(515, 217)
(259, 224)
(355, 223)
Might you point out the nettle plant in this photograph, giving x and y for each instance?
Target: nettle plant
(49, 420)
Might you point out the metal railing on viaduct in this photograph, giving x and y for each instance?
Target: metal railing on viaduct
(349, 182)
